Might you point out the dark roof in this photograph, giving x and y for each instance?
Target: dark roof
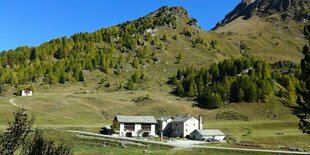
(136, 119)
(210, 132)
(181, 119)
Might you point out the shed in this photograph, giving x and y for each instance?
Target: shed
(107, 130)
(26, 92)
(209, 135)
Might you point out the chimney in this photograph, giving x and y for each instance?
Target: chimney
(200, 126)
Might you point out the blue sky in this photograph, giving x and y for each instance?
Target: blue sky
(32, 22)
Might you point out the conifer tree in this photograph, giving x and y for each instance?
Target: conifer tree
(304, 99)
(179, 57)
(136, 76)
(81, 76)
(239, 95)
(192, 89)
(214, 100)
(135, 63)
(33, 54)
(291, 92)
(174, 80)
(1, 89)
(131, 85)
(200, 87)
(62, 79)
(165, 37)
(180, 90)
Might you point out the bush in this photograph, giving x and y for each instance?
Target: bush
(17, 139)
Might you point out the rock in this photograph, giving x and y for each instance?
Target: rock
(292, 149)
(248, 2)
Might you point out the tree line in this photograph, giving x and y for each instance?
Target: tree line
(232, 80)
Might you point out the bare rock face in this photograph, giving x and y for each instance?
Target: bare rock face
(296, 10)
(248, 2)
(170, 11)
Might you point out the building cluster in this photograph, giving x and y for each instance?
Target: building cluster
(180, 126)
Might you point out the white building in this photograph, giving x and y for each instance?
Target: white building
(210, 135)
(182, 126)
(26, 92)
(131, 126)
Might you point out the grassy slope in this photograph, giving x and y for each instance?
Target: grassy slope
(272, 40)
(82, 107)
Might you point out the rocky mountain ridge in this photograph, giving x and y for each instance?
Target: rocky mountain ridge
(295, 10)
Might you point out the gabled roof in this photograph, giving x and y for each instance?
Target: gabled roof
(210, 132)
(164, 118)
(136, 119)
(181, 119)
(26, 90)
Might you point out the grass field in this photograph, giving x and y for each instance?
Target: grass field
(95, 147)
(81, 107)
(141, 151)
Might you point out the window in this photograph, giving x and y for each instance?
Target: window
(185, 130)
(129, 127)
(194, 124)
(146, 127)
(185, 124)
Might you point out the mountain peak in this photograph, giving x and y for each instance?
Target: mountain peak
(176, 11)
(296, 10)
(248, 2)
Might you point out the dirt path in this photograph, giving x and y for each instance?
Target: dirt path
(190, 145)
(12, 101)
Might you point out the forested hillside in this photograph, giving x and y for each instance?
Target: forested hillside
(114, 50)
(147, 50)
(231, 80)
